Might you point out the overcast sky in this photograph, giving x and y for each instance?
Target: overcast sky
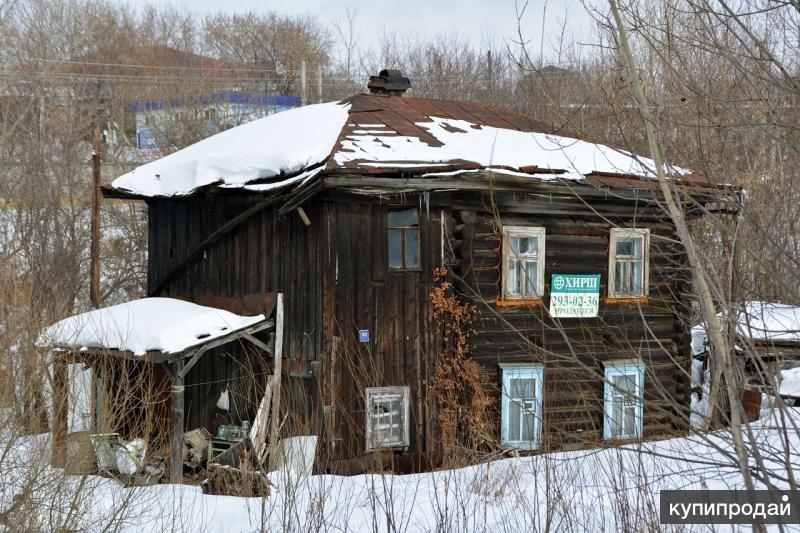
(477, 20)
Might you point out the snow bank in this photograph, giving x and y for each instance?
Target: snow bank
(490, 146)
(150, 324)
(282, 143)
(611, 489)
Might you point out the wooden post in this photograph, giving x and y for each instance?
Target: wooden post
(176, 425)
(276, 382)
(60, 404)
(94, 285)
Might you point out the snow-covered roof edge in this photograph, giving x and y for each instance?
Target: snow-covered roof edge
(166, 325)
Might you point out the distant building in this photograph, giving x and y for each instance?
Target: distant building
(220, 111)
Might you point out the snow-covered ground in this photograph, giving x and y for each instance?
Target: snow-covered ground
(611, 489)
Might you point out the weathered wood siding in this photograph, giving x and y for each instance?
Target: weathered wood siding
(573, 350)
(263, 254)
(362, 293)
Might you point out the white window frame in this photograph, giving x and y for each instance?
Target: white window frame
(633, 368)
(521, 371)
(369, 393)
(523, 231)
(616, 233)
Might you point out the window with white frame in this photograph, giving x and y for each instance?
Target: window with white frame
(523, 263)
(387, 417)
(628, 259)
(624, 386)
(521, 407)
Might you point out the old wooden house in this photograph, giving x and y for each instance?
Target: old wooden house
(561, 244)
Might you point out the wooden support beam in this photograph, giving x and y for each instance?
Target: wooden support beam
(58, 425)
(176, 424)
(276, 381)
(264, 346)
(191, 362)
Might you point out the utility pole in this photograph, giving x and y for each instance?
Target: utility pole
(94, 286)
(319, 84)
(303, 93)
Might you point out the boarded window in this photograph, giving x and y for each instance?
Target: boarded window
(387, 417)
(624, 383)
(628, 263)
(521, 407)
(403, 239)
(523, 263)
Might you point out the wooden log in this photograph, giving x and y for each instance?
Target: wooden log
(60, 405)
(176, 424)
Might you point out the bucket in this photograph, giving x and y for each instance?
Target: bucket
(80, 454)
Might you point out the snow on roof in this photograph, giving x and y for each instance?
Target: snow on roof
(369, 132)
(790, 382)
(489, 146)
(165, 325)
(759, 321)
(282, 143)
(770, 321)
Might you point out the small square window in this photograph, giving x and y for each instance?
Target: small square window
(523, 263)
(521, 407)
(624, 383)
(403, 239)
(387, 417)
(628, 259)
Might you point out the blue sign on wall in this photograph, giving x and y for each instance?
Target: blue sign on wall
(363, 335)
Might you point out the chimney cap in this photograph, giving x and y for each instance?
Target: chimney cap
(388, 81)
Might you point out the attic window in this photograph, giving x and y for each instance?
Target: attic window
(628, 263)
(387, 417)
(403, 239)
(523, 263)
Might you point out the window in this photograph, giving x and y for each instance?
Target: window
(624, 383)
(523, 263)
(403, 229)
(387, 417)
(521, 407)
(628, 263)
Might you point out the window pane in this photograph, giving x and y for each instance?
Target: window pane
(624, 247)
(514, 413)
(513, 246)
(621, 277)
(521, 388)
(630, 420)
(412, 248)
(395, 249)
(512, 284)
(636, 277)
(529, 246)
(528, 421)
(404, 219)
(531, 278)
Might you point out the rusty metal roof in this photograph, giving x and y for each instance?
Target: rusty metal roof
(401, 116)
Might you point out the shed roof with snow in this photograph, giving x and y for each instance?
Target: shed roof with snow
(383, 135)
(760, 323)
(151, 328)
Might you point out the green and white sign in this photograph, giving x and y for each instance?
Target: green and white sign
(574, 295)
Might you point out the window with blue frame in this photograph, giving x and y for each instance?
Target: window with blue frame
(624, 389)
(521, 407)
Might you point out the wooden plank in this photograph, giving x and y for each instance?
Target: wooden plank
(276, 381)
(176, 424)
(60, 410)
